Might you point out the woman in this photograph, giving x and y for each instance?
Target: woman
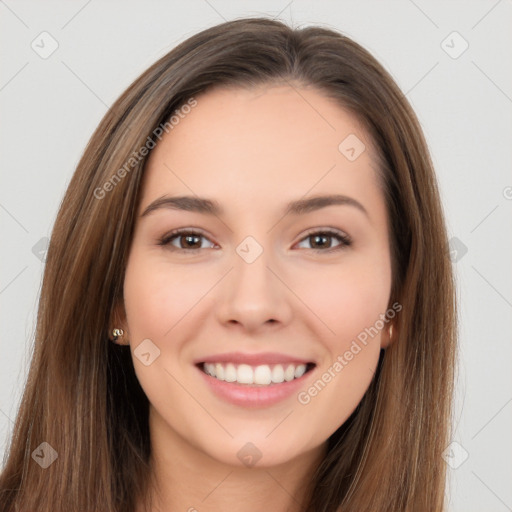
(247, 294)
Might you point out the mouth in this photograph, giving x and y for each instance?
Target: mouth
(263, 375)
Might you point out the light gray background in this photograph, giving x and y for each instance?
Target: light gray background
(50, 107)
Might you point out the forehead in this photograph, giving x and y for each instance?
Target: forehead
(264, 143)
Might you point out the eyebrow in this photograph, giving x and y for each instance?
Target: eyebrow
(212, 207)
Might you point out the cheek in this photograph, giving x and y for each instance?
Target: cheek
(348, 299)
(157, 295)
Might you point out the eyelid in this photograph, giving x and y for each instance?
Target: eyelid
(332, 232)
(345, 239)
(165, 240)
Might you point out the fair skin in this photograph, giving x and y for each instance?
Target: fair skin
(254, 151)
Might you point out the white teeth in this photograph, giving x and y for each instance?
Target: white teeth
(262, 375)
(229, 373)
(278, 374)
(289, 373)
(244, 374)
(300, 370)
(219, 371)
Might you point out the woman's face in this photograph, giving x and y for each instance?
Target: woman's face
(258, 290)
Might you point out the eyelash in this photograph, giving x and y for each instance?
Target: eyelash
(345, 240)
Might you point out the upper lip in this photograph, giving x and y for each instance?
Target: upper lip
(253, 359)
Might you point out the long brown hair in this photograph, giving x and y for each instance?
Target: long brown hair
(82, 396)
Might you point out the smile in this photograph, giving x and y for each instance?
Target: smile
(261, 375)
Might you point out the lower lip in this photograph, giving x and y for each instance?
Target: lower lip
(245, 395)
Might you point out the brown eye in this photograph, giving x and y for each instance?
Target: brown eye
(187, 240)
(190, 241)
(322, 240)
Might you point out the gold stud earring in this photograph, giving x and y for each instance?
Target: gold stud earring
(117, 333)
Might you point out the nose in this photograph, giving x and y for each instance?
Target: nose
(254, 296)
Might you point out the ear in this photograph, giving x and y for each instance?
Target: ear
(388, 335)
(119, 322)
